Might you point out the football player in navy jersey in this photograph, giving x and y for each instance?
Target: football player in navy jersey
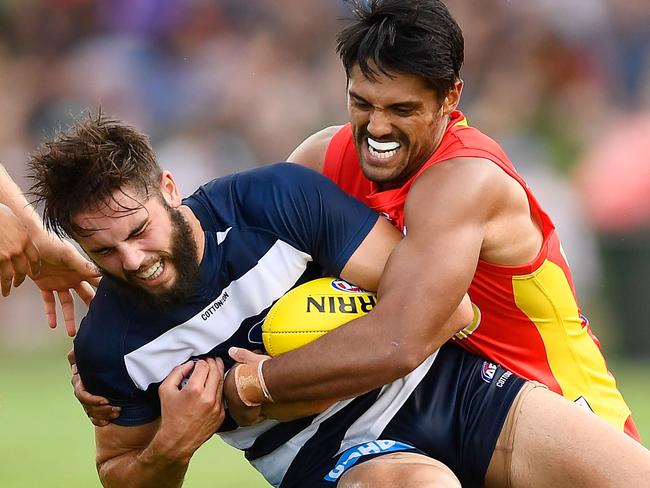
(188, 279)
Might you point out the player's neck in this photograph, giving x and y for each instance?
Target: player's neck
(197, 230)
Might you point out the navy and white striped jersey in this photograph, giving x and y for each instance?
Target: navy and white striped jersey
(266, 231)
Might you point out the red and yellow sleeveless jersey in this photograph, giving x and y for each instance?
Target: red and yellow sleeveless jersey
(526, 318)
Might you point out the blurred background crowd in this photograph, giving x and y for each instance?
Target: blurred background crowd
(224, 85)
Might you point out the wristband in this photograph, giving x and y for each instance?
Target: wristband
(248, 385)
(260, 376)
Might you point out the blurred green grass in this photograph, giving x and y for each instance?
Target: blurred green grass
(46, 441)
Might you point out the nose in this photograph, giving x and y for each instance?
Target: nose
(132, 258)
(379, 125)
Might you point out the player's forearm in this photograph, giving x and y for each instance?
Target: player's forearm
(363, 355)
(12, 197)
(290, 411)
(156, 466)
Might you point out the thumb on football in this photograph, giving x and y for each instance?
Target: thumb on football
(245, 356)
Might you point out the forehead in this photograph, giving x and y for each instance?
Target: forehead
(389, 89)
(120, 209)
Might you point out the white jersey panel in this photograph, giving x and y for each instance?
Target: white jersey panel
(276, 272)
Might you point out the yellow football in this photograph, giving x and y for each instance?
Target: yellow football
(312, 309)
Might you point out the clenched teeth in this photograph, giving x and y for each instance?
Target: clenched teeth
(152, 271)
(381, 155)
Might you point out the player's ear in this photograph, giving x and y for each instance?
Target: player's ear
(452, 99)
(169, 189)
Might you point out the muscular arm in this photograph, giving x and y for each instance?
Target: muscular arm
(130, 455)
(423, 283)
(158, 454)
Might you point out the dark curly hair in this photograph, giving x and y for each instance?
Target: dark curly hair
(83, 166)
(417, 37)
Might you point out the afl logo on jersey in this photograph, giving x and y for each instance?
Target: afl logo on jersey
(487, 371)
(342, 285)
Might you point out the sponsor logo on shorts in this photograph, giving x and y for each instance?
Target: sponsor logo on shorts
(352, 455)
(487, 371)
(342, 285)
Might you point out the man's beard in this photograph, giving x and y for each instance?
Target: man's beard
(184, 259)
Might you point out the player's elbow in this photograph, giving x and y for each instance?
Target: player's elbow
(462, 317)
(402, 357)
(103, 471)
(109, 470)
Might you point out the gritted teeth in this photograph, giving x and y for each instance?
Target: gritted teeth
(382, 155)
(152, 271)
(383, 146)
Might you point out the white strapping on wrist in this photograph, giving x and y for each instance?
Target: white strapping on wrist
(260, 377)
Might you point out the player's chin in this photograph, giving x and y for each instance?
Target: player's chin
(379, 173)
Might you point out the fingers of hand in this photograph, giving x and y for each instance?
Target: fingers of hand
(77, 262)
(86, 292)
(103, 414)
(21, 268)
(6, 277)
(34, 259)
(97, 408)
(173, 380)
(86, 398)
(50, 308)
(199, 375)
(67, 307)
(98, 422)
(94, 282)
(214, 381)
(247, 415)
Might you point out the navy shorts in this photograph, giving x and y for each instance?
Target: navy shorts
(454, 415)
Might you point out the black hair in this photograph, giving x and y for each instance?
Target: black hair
(416, 37)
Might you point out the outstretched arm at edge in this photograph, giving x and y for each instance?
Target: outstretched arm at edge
(26, 248)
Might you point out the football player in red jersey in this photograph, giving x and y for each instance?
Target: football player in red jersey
(487, 423)
(470, 221)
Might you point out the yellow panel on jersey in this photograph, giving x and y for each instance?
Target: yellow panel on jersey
(461, 123)
(573, 356)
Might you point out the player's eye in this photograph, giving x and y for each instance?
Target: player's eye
(403, 111)
(360, 104)
(103, 252)
(139, 232)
